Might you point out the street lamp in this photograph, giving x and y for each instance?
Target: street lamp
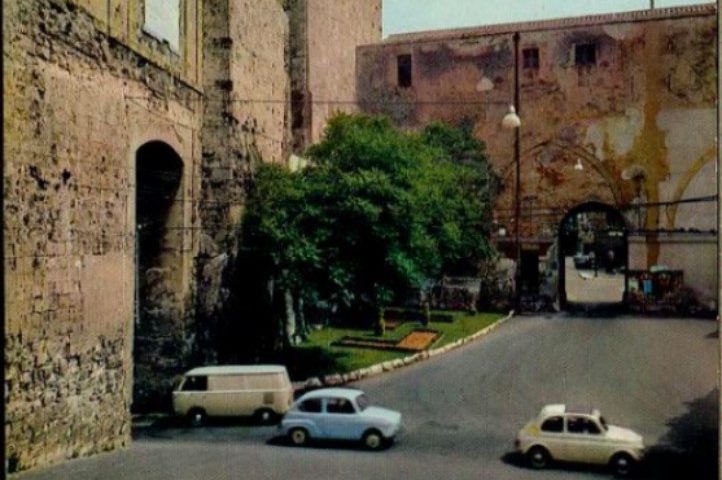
(512, 121)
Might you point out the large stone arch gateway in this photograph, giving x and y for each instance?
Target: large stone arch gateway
(592, 258)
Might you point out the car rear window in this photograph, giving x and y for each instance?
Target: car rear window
(362, 402)
(339, 405)
(553, 424)
(577, 424)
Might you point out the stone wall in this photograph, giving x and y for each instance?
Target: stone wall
(324, 37)
(245, 123)
(645, 103)
(126, 165)
(83, 89)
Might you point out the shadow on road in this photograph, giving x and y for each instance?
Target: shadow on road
(689, 450)
(153, 424)
(516, 459)
(283, 441)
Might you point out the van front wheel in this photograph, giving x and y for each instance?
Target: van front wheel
(197, 417)
(265, 416)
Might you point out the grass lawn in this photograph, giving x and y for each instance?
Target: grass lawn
(318, 357)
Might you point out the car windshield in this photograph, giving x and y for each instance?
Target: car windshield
(362, 402)
(603, 422)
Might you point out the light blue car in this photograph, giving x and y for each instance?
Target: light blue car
(341, 414)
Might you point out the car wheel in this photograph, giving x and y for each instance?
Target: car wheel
(265, 416)
(298, 436)
(373, 440)
(538, 457)
(622, 464)
(197, 417)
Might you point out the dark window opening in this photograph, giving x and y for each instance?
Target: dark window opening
(195, 384)
(585, 54)
(582, 425)
(531, 58)
(339, 405)
(404, 70)
(312, 405)
(554, 424)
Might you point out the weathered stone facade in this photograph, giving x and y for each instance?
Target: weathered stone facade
(620, 93)
(246, 82)
(323, 69)
(128, 147)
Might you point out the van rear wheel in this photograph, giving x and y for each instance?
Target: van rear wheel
(197, 417)
(265, 416)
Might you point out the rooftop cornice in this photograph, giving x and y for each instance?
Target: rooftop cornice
(554, 24)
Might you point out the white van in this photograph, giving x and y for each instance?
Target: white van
(264, 391)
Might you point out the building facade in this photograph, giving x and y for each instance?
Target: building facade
(616, 109)
(131, 131)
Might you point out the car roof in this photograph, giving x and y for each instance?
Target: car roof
(552, 410)
(348, 393)
(560, 409)
(236, 370)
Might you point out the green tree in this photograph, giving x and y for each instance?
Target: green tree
(378, 212)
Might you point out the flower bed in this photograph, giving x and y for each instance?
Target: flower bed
(415, 341)
(418, 340)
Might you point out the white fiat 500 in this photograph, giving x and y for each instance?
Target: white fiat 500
(342, 414)
(578, 435)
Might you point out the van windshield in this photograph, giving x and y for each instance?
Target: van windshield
(362, 402)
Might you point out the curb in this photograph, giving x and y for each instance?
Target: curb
(336, 379)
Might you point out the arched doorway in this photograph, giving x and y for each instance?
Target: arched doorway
(158, 213)
(593, 257)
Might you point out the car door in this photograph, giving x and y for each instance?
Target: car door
(585, 441)
(310, 415)
(341, 419)
(552, 436)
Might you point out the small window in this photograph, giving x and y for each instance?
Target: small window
(403, 63)
(312, 405)
(339, 405)
(531, 58)
(195, 384)
(162, 21)
(582, 425)
(553, 424)
(585, 54)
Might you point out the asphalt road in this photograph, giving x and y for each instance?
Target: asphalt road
(462, 410)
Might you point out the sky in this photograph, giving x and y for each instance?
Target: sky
(413, 15)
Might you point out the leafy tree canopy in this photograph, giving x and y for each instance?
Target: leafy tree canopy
(378, 212)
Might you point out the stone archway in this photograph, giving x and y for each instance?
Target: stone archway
(159, 222)
(592, 257)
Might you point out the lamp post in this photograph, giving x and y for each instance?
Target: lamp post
(512, 121)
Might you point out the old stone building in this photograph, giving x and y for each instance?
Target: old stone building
(131, 130)
(616, 110)
(323, 79)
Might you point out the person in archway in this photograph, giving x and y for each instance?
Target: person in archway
(610, 261)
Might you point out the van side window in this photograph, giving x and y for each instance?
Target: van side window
(195, 384)
(312, 405)
(339, 405)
